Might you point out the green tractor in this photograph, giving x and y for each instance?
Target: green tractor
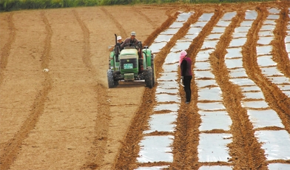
(131, 63)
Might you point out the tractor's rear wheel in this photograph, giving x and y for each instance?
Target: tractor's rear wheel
(149, 78)
(116, 83)
(110, 77)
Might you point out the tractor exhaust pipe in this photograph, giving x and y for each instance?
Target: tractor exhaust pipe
(115, 38)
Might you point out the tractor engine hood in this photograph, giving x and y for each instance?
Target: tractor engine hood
(128, 54)
(129, 66)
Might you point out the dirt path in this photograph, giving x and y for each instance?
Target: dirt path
(56, 111)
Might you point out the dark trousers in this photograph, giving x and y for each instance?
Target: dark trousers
(187, 89)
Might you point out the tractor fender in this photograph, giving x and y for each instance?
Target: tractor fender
(148, 57)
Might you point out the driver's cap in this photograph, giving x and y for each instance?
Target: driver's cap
(119, 37)
(133, 33)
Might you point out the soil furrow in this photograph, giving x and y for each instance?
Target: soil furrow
(186, 133)
(123, 32)
(6, 49)
(13, 146)
(96, 154)
(279, 52)
(188, 121)
(245, 150)
(277, 100)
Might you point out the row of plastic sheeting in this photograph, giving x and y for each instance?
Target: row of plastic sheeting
(260, 114)
(264, 52)
(212, 146)
(157, 148)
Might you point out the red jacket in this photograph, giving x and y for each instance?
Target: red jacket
(186, 67)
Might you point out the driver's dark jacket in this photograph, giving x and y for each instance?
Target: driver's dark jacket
(129, 42)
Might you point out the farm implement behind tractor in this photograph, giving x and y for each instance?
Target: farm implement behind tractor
(131, 63)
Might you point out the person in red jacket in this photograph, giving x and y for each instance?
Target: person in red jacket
(186, 74)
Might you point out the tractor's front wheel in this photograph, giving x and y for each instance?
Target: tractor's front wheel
(149, 78)
(110, 77)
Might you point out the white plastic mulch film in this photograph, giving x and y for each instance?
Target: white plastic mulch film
(164, 37)
(274, 142)
(264, 53)
(212, 111)
(158, 148)
(155, 149)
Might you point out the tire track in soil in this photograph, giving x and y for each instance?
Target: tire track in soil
(138, 11)
(280, 54)
(7, 47)
(13, 146)
(130, 145)
(96, 154)
(245, 149)
(277, 100)
(123, 32)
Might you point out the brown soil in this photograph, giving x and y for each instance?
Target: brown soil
(67, 118)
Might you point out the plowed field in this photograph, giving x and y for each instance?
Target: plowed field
(57, 112)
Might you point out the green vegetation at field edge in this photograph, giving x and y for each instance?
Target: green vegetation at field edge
(10, 5)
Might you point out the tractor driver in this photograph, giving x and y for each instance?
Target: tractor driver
(131, 41)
